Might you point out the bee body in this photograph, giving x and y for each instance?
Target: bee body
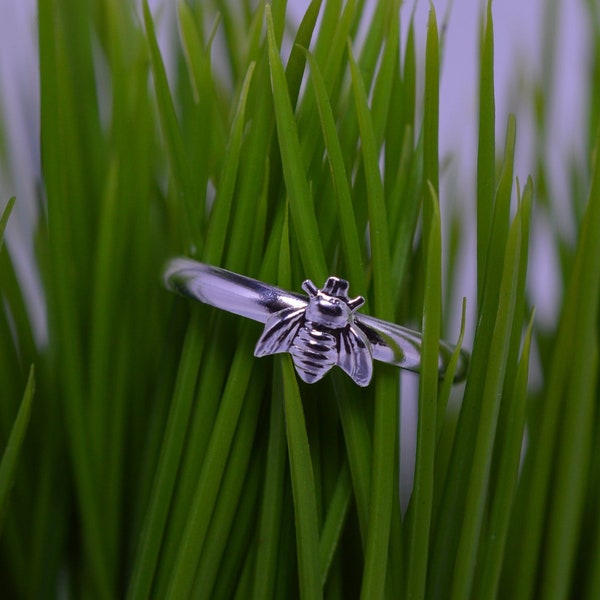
(320, 335)
(314, 351)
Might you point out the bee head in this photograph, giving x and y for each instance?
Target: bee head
(331, 306)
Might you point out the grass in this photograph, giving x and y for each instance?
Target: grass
(156, 456)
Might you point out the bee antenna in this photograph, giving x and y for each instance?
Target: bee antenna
(356, 303)
(310, 288)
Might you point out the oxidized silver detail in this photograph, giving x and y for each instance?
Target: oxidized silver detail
(321, 335)
(319, 331)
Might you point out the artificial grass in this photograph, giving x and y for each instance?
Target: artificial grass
(161, 459)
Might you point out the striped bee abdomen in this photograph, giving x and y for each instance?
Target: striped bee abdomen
(314, 352)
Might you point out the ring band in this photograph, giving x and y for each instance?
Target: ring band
(320, 330)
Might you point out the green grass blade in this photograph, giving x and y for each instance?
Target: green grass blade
(305, 508)
(173, 139)
(580, 395)
(237, 565)
(230, 499)
(334, 521)
(486, 155)
(456, 480)
(170, 457)
(4, 218)
(591, 585)
(270, 524)
(211, 474)
(211, 380)
(12, 451)
(350, 240)
(300, 201)
(410, 75)
(422, 494)
(431, 114)
(271, 509)
(494, 542)
(253, 179)
(220, 215)
(386, 73)
(540, 463)
(329, 54)
(207, 118)
(378, 226)
(501, 217)
(490, 404)
(294, 70)
(359, 447)
(301, 464)
(70, 146)
(405, 216)
(382, 483)
(446, 387)
(195, 57)
(381, 16)
(386, 392)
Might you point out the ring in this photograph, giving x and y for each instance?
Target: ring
(320, 330)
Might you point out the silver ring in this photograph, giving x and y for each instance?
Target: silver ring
(320, 330)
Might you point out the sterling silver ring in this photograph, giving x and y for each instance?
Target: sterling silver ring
(320, 330)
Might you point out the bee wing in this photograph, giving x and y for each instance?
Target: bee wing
(279, 332)
(355, 355)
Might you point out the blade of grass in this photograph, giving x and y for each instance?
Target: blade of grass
(404, 219)
(271, 510)
(447, 527)
(495, 536)
(253, 165)
(220, 214)
(501, 210)
(237, 567)
(230, 499)
(446, 387)
(431, 111)
(211, 380)
(398, 139)
(207, 127)
(329, 54)
(410, 76)
(294, 70)
(172, 134)
(300, 201)
(378, 228)
(386, 72)
(156, 516)
(300, 461)
(575, 435)
(211, 474)
(358, 447)
(386, 392)
(591, 585)
(490, 404)
(4, 218)
(419, 520)
(16, 325)
(303, 487)
(12, 451)
(370, 52)
(67, 146)
(486, 155)
(540, 462)
(334, 521)
(350, 240)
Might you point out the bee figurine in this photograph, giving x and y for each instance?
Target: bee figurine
(321, 335)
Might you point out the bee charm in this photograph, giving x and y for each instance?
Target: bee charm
(321, 335)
